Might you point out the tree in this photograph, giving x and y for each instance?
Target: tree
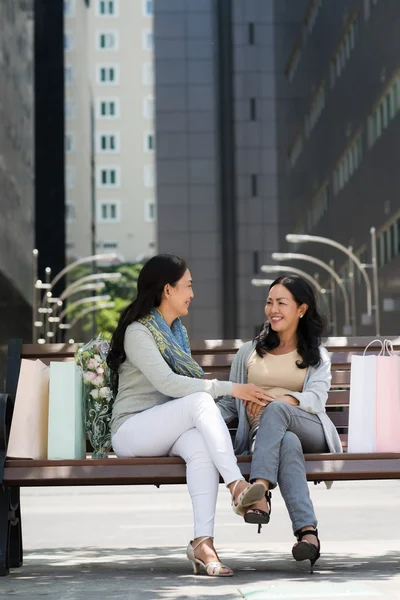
(122, 291)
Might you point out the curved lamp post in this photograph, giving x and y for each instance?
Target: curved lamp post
(84, 313)
(295, 238)
(332, 273)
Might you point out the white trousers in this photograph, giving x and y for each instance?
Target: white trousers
(191, 427)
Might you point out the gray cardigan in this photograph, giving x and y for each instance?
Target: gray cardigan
(312, 399)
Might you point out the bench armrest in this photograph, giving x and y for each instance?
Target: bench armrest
(6, 410)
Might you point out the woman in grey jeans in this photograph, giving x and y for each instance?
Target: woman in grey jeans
(287, 360)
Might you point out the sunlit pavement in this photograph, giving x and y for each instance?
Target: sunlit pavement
(129, 543)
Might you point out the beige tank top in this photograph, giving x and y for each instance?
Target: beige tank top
(275, 373)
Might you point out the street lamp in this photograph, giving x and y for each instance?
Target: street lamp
(86, 300)
(320, 263)
(261, 282)
(96, 286)
(295, 238)
(87, 311)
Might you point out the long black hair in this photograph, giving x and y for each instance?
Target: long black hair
(154, 276)
(310, 328)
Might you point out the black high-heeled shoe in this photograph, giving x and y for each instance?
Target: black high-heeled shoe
(307, 550)
(259, 517)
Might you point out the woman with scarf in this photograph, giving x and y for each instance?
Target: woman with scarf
(163, 406)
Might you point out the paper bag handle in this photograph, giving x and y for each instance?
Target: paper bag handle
(388, 347)
(383, 346)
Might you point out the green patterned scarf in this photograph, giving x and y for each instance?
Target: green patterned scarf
(173, 343)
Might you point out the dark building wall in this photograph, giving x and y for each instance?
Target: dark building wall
(216, 162)
(16, 171)
(370, 195)
(187, 149)
(49, 135)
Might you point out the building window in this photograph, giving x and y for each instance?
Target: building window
(149, 142)
(147, 39)
(251, 36)
(108, 74)
(149, 211)
(70, 177)
(108, 177)
(253, 109)
(295, 149)
(293, 62)
(148, 107)
(109, 212)
(311, 15)
(108, 109)
(107, 40)
(70, 108)
(69, 143)
(68, 41)
(107, 8)
(148, 7)
(385, 110)
(148, 74)
(108, 143)
(110, 245)
(319, 207)
(149, 176)
(68, 75)
(70, 213)
(348, 164)
(346, 45)
(69, 8)
(317, 106)
(254, 185)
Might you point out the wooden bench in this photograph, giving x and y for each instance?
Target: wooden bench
(215, 356)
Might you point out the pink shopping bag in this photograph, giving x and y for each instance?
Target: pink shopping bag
(388, 401)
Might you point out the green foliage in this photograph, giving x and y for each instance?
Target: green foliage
(122, 291)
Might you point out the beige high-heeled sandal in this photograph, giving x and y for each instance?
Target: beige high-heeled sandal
(253, 493)
(213, 568)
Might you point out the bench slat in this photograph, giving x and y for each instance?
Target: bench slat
(164, 470)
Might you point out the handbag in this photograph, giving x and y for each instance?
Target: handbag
(362, 409)
(388, 400)
(66, 435)
(28, 432)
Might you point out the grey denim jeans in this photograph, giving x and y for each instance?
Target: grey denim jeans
(284, 434)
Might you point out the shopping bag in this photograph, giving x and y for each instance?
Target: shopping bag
(66, 435)
(388, 401)
(362, 409)
(28, 433)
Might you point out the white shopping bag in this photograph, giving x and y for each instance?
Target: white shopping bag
(66, 436)
(362, 410)
(28, 434)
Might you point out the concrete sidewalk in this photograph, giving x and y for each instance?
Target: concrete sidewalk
(79, 546)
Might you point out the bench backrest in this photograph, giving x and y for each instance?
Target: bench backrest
(216, 356)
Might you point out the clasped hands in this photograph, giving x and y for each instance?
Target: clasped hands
(256, 399)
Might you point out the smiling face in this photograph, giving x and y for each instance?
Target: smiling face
(180, 295)
(282, 310)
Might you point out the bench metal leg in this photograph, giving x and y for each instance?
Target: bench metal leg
(15, 544)
(10, 530)
(4, 529)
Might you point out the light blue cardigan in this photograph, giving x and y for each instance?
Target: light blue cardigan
(312, 399)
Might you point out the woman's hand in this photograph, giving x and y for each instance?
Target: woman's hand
(249, 392)
(254, 409)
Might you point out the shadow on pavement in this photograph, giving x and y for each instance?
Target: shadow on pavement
(165, 573)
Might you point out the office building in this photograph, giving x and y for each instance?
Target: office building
(216, 154)
(110, 128)
(338, 106)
